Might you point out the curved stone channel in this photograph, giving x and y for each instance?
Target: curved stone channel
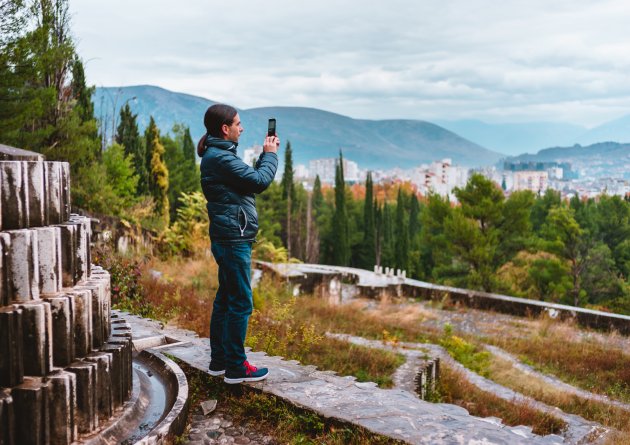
(578, 431)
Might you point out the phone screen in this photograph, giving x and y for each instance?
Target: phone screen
(271, 129)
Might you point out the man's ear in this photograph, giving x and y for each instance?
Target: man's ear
(225, 128)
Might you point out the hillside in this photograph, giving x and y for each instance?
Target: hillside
(313, 133)
(604, 159)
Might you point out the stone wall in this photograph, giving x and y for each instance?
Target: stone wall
(63, 369)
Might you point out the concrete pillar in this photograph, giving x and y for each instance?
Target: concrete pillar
(30, 403)
(34, 183)
(65, 191)
(98, 317)
(22, 266)
(82, 321)
(127, 366)
(5, 247)
(62, 406)
(49, 259)
(62, 308)
(53, 193)
(105, 400)
(11, 355)
(13, 195)
(86, 379)
(102, 278)
(117, 370)
(37, 338)
(81, 247)
(7, 416)
(68, 258)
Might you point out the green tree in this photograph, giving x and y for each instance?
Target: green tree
(288, 195)
(108, 187)
(40, 107)
(128, 136)
(401, 258)
(158, 178)
(435, 252)
(564, 238)
(341, 252)
(369, 225)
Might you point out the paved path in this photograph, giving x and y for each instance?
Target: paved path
(394, 413)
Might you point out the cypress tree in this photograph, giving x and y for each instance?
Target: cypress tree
(369, 235)
(128, 136)
(401, 258)
(158, 178)
(288, 189)
(190, 152)
(318, 197)
(288, 193)
(341, 245)
(81, 93)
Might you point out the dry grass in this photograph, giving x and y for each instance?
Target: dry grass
(502, 372)
(456, 389)
(275, 329)
(555, 348)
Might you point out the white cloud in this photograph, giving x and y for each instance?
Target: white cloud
(431, 59)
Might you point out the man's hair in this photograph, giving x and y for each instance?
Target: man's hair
(216, 116)
(213, 120)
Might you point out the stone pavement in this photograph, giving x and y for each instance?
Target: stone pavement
(394, 413)
(217, 428)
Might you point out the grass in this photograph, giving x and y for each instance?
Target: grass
(502, 372)
(454, 388)
(555, 349)
(273, 416)
(275, 329)
(281, 326)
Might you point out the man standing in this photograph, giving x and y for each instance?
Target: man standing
(229, 186)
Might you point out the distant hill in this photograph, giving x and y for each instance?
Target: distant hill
(604, 159)
(516, 138)
(613, 151)
(617, 130)
(313, 133)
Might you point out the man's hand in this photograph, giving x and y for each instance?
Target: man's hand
(271, 144)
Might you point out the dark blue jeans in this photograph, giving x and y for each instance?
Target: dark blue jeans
(232, 306)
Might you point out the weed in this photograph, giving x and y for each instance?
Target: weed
(465, 352)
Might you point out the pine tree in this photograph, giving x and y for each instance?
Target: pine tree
(40, 111)
(158, 178)
(341, 244)
(128, 136)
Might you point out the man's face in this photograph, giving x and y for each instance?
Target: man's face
(233, 132)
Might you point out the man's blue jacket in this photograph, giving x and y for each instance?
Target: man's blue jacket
(229, 186)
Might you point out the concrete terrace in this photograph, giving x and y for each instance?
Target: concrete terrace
(394, 413)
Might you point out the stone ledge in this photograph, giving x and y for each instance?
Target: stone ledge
(397, 414)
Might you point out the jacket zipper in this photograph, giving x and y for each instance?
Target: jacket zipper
(242, 229)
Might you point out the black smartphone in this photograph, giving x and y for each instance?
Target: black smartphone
(271, 128)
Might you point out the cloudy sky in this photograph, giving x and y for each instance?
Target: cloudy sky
(497, 61)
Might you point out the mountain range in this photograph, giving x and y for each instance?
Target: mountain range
(315, 133)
